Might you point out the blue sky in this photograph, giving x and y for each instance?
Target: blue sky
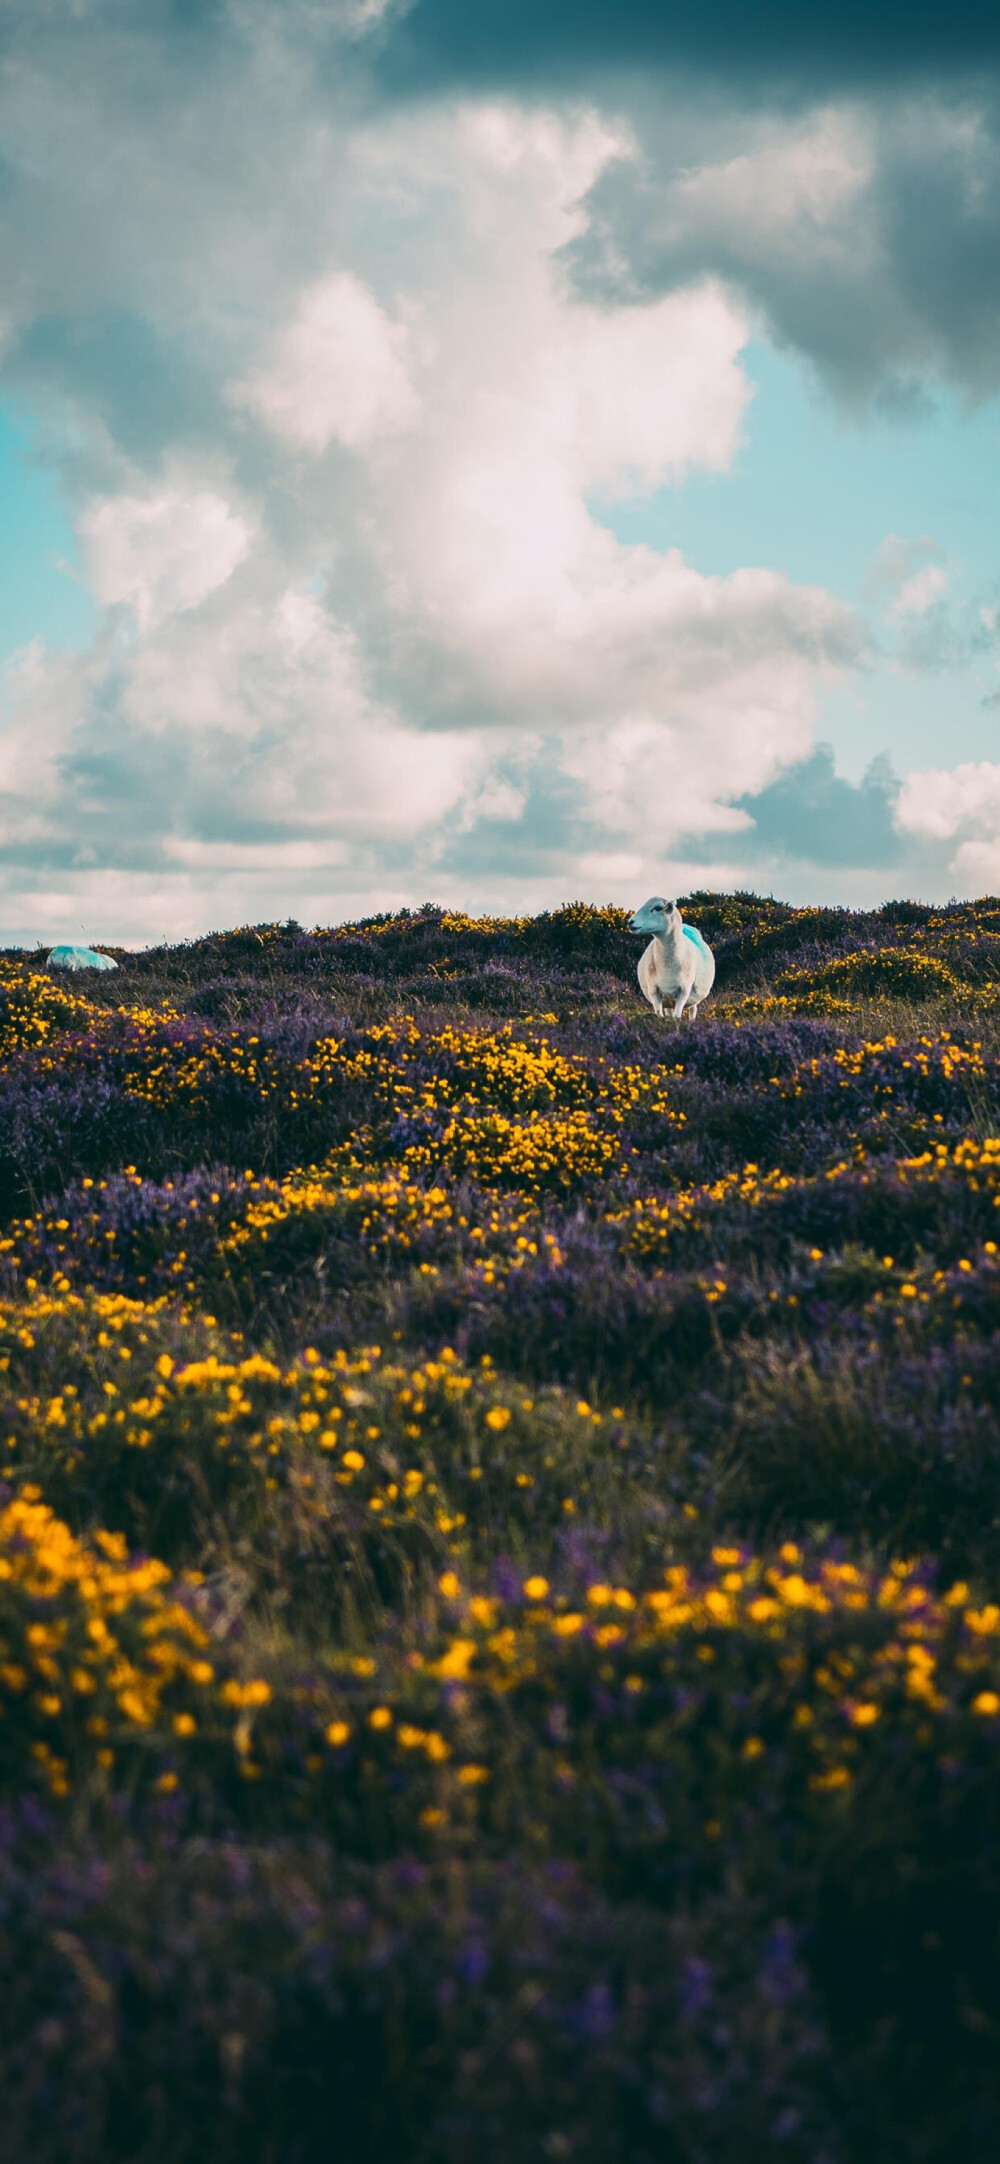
(565, 463)
(39, 598)
(815, 487)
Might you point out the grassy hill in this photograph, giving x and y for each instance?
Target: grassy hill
(500, 1545)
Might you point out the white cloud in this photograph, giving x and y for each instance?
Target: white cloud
(976, 866)
(906, 576)
(266, 857)
(860, 232)
(339, 728)
(498, 800)
(939, 801)
(791, 194)
(962, 804)
(338, 374)
(163, 550)
(248, 728)
(510, 602)
(919, 593)
(642, 395)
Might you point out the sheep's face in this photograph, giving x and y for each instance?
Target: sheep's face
(656, 916)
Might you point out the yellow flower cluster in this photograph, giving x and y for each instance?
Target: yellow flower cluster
(508, 1072)
(909, 971)
(535, 1155)
(773, 1006)
(395, 1445)
(384, 1213)
(33, 1008)
(853, 1061)
(834, 987)
(98, 1650)
(842, 1649)
(649, 1224)
(90, 1642)
(456, 920)
(523, 1115)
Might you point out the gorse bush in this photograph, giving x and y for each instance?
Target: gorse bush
(499, 1545)
(34, 1008)
(895, 970)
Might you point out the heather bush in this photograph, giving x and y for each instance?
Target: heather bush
(499, 1549)
(273, 1984)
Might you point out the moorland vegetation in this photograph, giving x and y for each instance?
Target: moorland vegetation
(500, 1546)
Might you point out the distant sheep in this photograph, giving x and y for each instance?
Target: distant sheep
(677, 967)
(74, 957)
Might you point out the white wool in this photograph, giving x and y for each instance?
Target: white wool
(76, 957)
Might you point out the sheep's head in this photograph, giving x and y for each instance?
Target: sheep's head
(656, 916)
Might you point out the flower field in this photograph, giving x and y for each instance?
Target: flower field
(500, 1546)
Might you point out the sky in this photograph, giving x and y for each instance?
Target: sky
(494, 455)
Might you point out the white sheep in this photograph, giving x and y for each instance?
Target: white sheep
(677, 965)
(69, 956)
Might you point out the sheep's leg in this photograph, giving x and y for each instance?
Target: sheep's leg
(679, 1005)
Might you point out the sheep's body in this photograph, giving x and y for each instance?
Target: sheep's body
(677, 968)
(75, 957)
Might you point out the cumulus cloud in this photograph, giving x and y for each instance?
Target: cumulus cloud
(162, 550)
(511, 603)
(338, 374)
(334, 381)
(249, 729)
(940, 801)
(498, 801)
(789, 196)
(633, 399)
(976, 866)
(907, 578)
(899, 565)
(920, 592)
(959, 806)
(358, 610)
(866, 233)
